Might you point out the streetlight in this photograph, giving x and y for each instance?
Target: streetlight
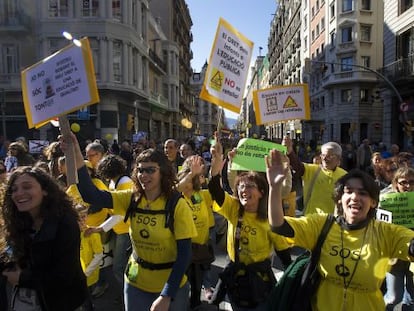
(69, 37)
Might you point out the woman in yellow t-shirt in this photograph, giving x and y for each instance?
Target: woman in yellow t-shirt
(155, 275)
(200, 202)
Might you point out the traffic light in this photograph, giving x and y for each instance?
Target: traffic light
(130, 122)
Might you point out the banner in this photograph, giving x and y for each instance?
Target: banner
(59, 84)
(228, 68)
(290, 102)
(251, 152)
(401, 205)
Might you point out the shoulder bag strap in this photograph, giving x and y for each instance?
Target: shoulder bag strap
(237, 235)
(312, 183)
(316, 252)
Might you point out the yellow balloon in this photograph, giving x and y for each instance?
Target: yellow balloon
(75, 127)
(108, 136)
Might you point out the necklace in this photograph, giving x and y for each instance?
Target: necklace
(344, 274)
(149, 202)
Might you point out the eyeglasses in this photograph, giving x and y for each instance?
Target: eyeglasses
(149, 170)
(327, 156)
(406, 183)
(248, 186)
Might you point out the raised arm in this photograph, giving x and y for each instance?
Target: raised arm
(276, 171)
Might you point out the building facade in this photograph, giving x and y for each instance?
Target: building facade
(138, 66)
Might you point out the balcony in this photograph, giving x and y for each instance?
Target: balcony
(156, 60)
(400, 70)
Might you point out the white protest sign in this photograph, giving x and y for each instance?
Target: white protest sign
(228, 68)
(282, 103)
(59, 84)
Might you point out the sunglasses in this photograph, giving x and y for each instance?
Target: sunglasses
(149, 170)
(406, 183)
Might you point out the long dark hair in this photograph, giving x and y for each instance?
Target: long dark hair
(262, 186)
(368, 183)
(168, 180)
(18, 225)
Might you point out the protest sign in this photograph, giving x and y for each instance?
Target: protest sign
(290, 102)
(228, 68)
(37, 146)
(59, 84)
(401, 205)
(250, 154)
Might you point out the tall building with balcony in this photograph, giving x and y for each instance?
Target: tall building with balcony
(175, 20)
(135, 64)
(285, 54)
(399, 70)
(346, 46)
(206, 114)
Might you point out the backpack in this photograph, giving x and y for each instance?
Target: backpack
(295, 289)
(168, 211)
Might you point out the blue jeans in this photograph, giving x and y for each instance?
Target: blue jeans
(400, 286)
(122, 243)
(136, 299)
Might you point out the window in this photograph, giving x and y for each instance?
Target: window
(58, 8)
(9, 12)
(333, 39)
(322, 23)
(364, 95)
(366, 4)
(346, 34)
(55, 44)
(332, 8)
(317, 4)
(117, 64)
(313, 35)
(90, 8)
(365, 32)
(95, 56)
(317, 30)
(9, 59)
(313, 11)
(366, 60)
(346, 95)
(346, 63)
(405, 5)
(305, 22)
(116, 9)
(347, 5)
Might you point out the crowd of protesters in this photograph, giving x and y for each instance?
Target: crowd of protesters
(121, 191)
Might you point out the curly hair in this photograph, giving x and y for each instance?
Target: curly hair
(111, 166)
(18, 225)
(262, 186)
(168, 180)
(368, 183)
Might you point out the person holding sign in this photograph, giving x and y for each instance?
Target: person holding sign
(161, 229)
(354, 257)
(318, 179)
(399, 279)
(250, 242)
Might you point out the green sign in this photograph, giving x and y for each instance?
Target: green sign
(401, 205)
(251, 152)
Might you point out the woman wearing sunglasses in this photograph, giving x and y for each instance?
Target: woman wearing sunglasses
(399, 280)
(155, 276)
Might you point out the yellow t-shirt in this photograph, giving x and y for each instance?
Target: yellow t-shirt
(366, 251)
(125, 184)
(203, 217)
(320, 200)
(152, 241)
(90, 246)
(257, 241)
(95, 219)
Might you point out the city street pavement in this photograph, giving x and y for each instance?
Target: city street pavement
(110, 301)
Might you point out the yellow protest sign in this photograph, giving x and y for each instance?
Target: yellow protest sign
(282, 103)
(59, 84)
(228, 68)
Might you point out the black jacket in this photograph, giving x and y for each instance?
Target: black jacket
(54, 270)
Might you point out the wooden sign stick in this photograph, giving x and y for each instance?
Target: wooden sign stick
(72, 173)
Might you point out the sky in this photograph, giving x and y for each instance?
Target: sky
(251, 18)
